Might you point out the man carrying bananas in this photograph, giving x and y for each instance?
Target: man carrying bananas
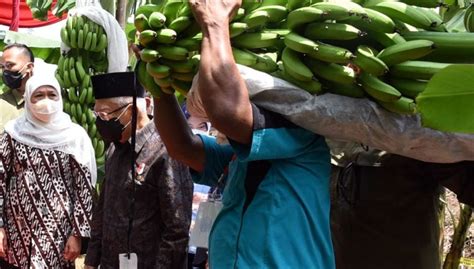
(16, 63)
(143, 216)
(276, 200)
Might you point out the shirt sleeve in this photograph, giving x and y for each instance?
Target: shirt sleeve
(217, 159)
(274, 137)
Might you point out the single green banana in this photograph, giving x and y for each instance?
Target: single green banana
(164, 84)
(73, 77)
(166, 36)
(416, 69)
(141, 23)
(93, 42)
(335, 11)
(82, 96)
(149, 55)
(256, 40)
(410, 50)
(179, 66)
(180, 24)
(101, 43)
(239, 15)
(300, 43)
(187, 77)
(405, 13)
(294, 66)
(403, 106)
(81, 72)
(190, 44)
(181, 86)
(244, 57)
(237, 28)
(157, 70)
(349, 90)
(378, 89)
(450, 47)
(304, 15)
(276, 13)
(295, 4)
(156, 20)
(332, 71)
(265, 64)
(313, 86)
(146, 80)
(88, 42)
(331, 31)
(375, 21)
(173, 52)
(147, 37)
(256, 19)
(73, 38)
(65, 36)
(331, 54)
(386, 39)
(409, 87)
(90, 96)
(368, 63)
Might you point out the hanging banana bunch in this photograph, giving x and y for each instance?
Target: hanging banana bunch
(87, 57)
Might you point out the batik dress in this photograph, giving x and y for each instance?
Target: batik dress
(47, 198)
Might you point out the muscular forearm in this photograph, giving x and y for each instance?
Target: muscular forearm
(175, 133)
(222, 90)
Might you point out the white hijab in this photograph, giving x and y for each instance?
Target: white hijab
(59, 134)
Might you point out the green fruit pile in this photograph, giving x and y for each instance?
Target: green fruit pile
(87, 57)
(383, 50)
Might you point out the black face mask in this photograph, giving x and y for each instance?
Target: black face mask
(110, 130)
(12, 79)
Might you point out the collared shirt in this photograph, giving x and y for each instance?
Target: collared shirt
(276, 200)
(162, 211)
(11, 107)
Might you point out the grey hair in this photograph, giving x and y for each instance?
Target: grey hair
(124, 100)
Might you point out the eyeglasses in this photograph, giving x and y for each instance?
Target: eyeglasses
(106, 115)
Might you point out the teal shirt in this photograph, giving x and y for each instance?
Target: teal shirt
(276, 199)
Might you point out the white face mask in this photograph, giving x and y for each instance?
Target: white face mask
(44, 109)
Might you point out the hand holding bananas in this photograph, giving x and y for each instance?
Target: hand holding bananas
(214, 13)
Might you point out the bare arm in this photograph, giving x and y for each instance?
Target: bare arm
(222, 90)
(175, 133)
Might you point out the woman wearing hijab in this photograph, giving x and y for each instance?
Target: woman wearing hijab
(47, 170)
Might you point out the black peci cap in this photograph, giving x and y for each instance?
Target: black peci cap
(116, 85)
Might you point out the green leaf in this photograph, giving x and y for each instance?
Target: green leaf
(447, 103)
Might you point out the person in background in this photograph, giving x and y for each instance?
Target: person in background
(47, 170)
(163, 196)
(385, 209)
(16, 64)
(278, 172)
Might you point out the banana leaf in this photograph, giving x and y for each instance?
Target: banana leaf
(447, 102)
